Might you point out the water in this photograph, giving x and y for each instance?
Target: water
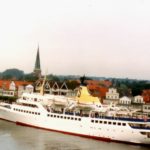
(14, 137)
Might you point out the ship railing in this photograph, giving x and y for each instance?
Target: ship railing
(121, 118)
(139, 126)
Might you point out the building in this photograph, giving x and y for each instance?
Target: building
(27, 89)
(12, 88)
(138, 100)
(37, 67)
(146, 108)
(125, 101)
(112, 96)
(56, 88)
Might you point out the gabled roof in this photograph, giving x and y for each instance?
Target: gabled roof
(125, 98)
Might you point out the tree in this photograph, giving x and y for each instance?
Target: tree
(13, 74)
(30, 77)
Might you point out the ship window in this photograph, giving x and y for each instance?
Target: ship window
(47, 115)
(105, 122)
(21, 110)
(92, 120)
(61, 116)
(24, 111)
(51, 115)
(79, 119)
(32, 112)
(14, 109)
(57, 116)
(114, 123)
(124, 124)
(119, 124)
(109, 122)
(38, 113)
(68, 117)
(101, 122)
(144, 133)
(72, 118)
(54, 116)
(96, 121)
(64, 117)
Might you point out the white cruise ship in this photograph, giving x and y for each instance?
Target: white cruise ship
(72, 116)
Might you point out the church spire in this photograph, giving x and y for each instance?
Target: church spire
(37, 68)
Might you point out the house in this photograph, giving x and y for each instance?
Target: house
(146, 108)
(56, 88)
(125, 101)
(11, 88)
(27, 89)
(112, 96)
(138, 100)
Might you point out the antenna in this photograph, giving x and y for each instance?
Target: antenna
(42, 87)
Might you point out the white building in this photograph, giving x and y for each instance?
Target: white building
(12, 86)
(125, 100)
(112, 94)
(27, 89)
(146, 108)
(7, 93)
(138, 100)
(52, 88)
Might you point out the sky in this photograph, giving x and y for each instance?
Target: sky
(106, 38)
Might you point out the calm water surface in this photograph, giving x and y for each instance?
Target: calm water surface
(14, 137)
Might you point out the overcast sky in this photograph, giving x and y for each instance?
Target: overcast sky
(108, 38)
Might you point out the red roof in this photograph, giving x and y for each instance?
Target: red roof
(4, 84)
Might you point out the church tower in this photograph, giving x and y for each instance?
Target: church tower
(37, 68)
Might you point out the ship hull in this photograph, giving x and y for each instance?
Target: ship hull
(78, 126)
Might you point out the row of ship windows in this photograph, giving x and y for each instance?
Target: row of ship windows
(108, 122)
(26, 111)
(64, 117)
